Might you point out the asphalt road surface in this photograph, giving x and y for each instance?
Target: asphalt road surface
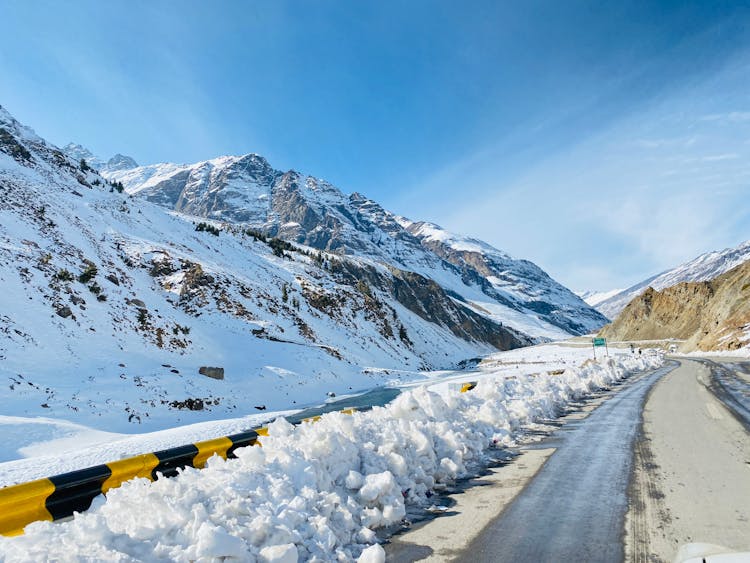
(692, 460)
(657, 463)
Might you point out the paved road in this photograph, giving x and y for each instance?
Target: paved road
(692, 465)
(730, 384)
(660, 462)
(574, 508)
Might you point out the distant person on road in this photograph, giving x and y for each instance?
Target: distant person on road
(639, 351)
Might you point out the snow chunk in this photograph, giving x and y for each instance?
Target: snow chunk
(286, 553)
(373, 554)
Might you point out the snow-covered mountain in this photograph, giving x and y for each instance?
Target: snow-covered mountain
(116, 312)
(509, 286)
(207, 289)
(704, 315)
(117, 163)
(594, 297)
(247, 190)
(703, 268)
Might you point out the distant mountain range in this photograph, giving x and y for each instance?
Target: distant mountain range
(593, 298)
(703, 268)
(117, 162)
(707, 315)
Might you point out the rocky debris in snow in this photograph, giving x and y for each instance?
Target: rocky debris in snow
(137, 303)
(64, 311)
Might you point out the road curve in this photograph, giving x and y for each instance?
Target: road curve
(574, 508)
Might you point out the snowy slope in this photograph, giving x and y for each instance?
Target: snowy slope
(703, 268)
(109, 305)
(594, 297)
(45, 443)
(519, 285)
(247, 190)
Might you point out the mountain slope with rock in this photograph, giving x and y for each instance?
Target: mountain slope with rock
(708, 315)
(120, 314)
(705, 267)
(117, 163)
(519, 285)
(246, 190)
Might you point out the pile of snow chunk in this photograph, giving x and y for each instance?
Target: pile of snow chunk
(316, 491)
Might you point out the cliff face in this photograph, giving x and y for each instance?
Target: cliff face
(703, 268)
(708, 315)
(247, 191)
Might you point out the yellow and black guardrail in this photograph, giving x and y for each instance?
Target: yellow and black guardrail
(60, 496)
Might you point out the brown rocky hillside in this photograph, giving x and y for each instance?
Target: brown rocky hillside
(710, 315)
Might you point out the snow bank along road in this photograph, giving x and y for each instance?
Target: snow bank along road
(318, 491)
(681, 476)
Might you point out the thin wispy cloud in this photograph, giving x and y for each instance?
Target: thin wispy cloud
(651, 191)
(536, 127)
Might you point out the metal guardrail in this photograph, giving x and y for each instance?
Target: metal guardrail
(60, 496)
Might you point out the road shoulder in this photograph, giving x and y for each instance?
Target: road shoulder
(691, 472)
(442, 538)
(483, 499)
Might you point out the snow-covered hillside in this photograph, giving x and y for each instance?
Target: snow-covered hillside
(594, 297)
(247, 190)
(319, 492)
(118, 162)
(511, 288)
(703, 268)
(111, 305)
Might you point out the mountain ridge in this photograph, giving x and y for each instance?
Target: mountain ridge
(707, 315)
(702, 268)
(111, 305)
(307, 210)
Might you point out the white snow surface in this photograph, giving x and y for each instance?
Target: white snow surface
(435, 233)
(318, 491)
(593, 298)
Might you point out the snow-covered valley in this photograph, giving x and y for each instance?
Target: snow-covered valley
(320, 491)
(132, 322)
(125, 316)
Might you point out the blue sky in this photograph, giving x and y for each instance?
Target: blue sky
(606, 142)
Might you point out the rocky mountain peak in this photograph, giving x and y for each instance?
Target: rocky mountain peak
(705, 267)
(121, 162)
(118, 162)
(311, 211)
(706, 315)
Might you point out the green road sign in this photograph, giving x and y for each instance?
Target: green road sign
(600, 341)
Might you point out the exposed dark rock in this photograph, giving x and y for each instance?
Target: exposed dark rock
(64, 311)
(9, 145)
(137, 303)
(213, 373)
(189, 404)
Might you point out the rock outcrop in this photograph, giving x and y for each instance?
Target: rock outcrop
(707, 315)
